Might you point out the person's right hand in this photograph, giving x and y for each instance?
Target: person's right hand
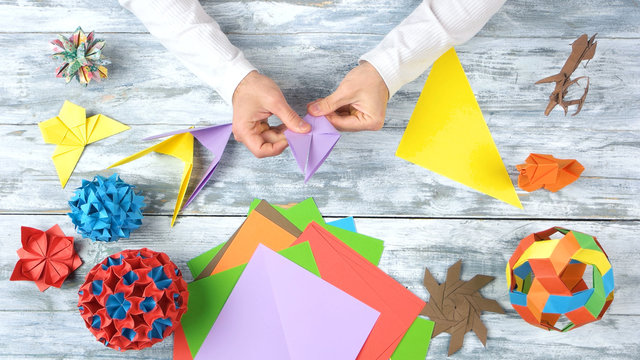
(359, 103)
(255, 99)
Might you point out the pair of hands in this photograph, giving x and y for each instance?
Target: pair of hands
(359, 103)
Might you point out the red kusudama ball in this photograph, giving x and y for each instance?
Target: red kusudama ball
(133, 299)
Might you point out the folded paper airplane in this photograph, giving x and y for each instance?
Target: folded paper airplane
(215, 139)
(180, 145)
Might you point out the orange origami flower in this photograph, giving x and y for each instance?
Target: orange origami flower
(540, 170)
(46, 257)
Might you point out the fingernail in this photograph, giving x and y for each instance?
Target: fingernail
(314, 107)
(303, 126)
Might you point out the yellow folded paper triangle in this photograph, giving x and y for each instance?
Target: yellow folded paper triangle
(179, 146)
(448, 135)
(72, 131)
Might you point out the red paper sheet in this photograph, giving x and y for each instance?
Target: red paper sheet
(347, 270)
(180, 347)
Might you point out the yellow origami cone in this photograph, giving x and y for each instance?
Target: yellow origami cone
(71, 131)
(179, 146)
(448, 135)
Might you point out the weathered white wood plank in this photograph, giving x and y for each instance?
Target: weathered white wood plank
(147, 85)
(519, 18)
(62, 335)
(484, 246)
(360, 177)
(410, 245)
(307, 46)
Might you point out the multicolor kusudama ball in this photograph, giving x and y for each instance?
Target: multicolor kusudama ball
(106, 209)
(133, 299)
(545, 278)
(81, 57)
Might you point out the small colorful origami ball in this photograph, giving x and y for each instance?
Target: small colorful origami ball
(133, 299)
(81, 56)
(106, 209)
(545, 278)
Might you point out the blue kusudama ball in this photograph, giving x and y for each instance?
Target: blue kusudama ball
(106, 209)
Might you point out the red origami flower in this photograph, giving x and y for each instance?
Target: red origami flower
(46, 257)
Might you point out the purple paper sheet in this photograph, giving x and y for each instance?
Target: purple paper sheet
(280, 311)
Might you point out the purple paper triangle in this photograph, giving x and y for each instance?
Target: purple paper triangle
(311, 149)
(214, 138)
(321, 147)
(300, 145)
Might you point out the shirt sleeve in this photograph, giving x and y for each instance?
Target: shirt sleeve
(184, 28)
(428, 32)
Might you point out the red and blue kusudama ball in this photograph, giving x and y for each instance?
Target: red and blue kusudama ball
(133, 299)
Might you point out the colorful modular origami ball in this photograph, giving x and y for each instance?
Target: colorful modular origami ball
(545, 278)
(81, 57)
(133, 299)
(106, 209)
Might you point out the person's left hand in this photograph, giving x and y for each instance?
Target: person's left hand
(359, 103)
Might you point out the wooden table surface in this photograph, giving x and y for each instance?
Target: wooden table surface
(307, 46)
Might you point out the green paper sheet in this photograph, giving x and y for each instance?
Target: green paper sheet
(207, 296)
(198, 263)
(415, 343)
(303, 213)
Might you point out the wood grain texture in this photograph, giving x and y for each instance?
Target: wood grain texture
(360, 177)
(307, 46)
(410, 245)
(151, 87)
(615, 18)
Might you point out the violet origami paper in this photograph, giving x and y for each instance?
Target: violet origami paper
(311, 149)
(214, 138)
(280, 311)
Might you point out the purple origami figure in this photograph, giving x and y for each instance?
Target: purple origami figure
(311, 149)
(214, 138)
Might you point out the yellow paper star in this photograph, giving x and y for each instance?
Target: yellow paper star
(71, 130)
(179, 146)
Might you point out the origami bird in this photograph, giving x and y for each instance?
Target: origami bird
(581, 49)
(71, 131)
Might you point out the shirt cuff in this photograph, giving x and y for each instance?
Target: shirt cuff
(386, 67)
(237, 69)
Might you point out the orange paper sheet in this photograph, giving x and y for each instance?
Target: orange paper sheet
(257, 229)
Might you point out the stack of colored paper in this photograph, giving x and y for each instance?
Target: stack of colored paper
(288, 285)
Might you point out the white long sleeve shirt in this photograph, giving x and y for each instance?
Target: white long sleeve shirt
(184, 28)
